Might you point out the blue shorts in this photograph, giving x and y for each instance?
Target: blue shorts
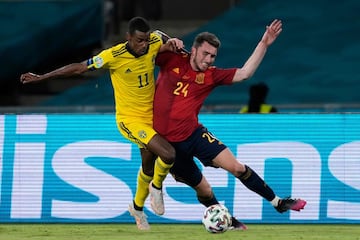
(202, 145)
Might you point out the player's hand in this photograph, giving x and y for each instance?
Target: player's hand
(175, 44)
(29, 77)
(272, 32)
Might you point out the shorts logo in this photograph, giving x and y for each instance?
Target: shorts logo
(142, 134)
(98, 62)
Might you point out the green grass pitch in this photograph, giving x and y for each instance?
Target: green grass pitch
(10, 231)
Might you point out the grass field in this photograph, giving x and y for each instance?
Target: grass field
(176, 232)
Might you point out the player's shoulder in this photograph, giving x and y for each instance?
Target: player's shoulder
(212, 69)
(155, 38)
(114, 51)
(118, 49)
(174, 57)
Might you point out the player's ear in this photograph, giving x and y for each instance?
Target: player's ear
(193, 49)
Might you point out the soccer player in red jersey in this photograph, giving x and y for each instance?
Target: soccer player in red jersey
(184, 82)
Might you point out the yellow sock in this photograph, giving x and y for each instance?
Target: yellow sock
(142, 189)
(161, 170)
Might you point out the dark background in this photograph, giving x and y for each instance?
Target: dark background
(313, 64)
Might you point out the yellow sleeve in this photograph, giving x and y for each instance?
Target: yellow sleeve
(101, 60)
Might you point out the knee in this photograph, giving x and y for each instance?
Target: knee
(238, 169)
(148, 169)
(169, 155)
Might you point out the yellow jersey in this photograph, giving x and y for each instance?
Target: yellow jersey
(132, 79)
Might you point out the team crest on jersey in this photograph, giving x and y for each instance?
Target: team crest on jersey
(142, 134)
(98, 62)
(200, 77)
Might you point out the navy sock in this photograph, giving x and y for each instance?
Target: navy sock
(256, 184)
(208, 201)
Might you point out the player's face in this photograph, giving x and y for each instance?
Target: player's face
(203, 56)
(139, 42)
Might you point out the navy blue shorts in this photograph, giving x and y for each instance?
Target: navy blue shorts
(202, 145)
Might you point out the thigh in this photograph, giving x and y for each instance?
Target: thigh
(207, 146)
(137, 132)
(161, 147)
(185, 169)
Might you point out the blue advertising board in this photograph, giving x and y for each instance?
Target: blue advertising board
(78, 168)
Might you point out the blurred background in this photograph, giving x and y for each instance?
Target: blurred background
(312, 67)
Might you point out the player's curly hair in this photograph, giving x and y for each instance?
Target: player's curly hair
(138, 24)
(211, 38)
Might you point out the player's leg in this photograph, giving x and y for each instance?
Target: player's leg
(144, 178)
(162, 148)
(207, 197)
(225, 159)
(163, 163)
(255, 183)
(146, 137)
(186, 171)
(141, 134)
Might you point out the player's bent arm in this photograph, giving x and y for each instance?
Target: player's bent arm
(65, 71)
(251, 65)
(173, 44)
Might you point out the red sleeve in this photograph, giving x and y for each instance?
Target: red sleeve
(223, 76)
(163, 58)
(168, 58)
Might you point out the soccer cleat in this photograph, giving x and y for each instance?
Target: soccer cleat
(288, 203)
(156, 200)
(237, 225)
(140, 218)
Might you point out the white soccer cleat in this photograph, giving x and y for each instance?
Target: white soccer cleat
(156, 200)
(140, 218)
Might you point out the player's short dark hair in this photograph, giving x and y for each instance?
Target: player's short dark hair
(138, 24)
(211, 38)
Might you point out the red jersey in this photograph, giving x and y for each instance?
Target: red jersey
(180, 93)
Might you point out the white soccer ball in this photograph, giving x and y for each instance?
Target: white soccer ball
(216, 219)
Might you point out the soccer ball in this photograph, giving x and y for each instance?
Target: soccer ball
(216, 219)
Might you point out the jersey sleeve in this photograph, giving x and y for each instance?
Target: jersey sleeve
(167, 58)
(157, 35)
(163, 58)
(156, 41)
(224, 76)
(99, 61)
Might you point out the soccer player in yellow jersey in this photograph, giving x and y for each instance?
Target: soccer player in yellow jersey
(131, 65)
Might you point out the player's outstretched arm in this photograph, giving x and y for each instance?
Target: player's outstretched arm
(65, 71)
(271, 33)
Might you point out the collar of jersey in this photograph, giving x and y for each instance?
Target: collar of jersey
(134, 53)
